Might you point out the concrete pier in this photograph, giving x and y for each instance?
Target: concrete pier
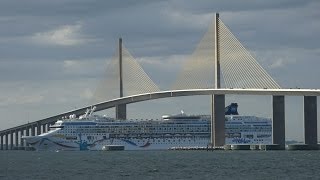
(310, 125)
(310, 120)
(27, 131)
(38, 128)
(27, 134)
(303, 147)
(21, 140)
(1, 139)
(254, 147)
(6, 140)
(227, 147)
(278, 121)
(121, 111)
(33, 130)
(11, 140)
(16, 136)
(240, 147)
(268, 147)
(218, 120)
(44, 128)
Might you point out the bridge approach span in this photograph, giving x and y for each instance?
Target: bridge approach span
(167, 94)
(194, 92)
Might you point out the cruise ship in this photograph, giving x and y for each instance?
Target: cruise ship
(95, 132)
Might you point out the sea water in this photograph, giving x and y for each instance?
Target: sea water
(160, 165)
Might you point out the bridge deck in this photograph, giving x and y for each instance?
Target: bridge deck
(167, 94)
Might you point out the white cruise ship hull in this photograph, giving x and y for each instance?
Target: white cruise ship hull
(53, 144)
(92, 132)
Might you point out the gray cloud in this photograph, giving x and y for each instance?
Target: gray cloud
(80, 8)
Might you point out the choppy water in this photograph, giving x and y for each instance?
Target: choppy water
(160, 165)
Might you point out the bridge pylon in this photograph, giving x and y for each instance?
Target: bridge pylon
(121, 109)
(217, 101)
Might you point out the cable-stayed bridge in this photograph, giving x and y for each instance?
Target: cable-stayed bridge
(219, 65)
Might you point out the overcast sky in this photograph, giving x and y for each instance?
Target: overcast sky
(53, 53)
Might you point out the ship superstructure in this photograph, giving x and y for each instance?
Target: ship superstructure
(93, 132)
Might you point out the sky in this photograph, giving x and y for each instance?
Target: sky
(53, 53)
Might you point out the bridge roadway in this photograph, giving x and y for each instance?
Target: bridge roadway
(173, 93)
(156, 95)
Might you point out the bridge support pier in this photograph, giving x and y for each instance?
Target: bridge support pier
(278, 121)
(310, 120)
(38, 128)
(217, 120)
(44, 128)
(27, 134)
(16, 135)
(11, 140)
(121, 111)
(6, 140)
(21, 140)
(1, 139)
(33, 130)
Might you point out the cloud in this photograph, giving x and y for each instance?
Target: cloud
(164, 61)
(84, 67)
(69, 63)
(182, 18)
(68, 35)
(24, 94)
(84, 64)
(278, 63)
(21, 99)
(87, 94)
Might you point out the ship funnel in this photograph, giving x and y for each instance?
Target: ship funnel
(232, 109)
